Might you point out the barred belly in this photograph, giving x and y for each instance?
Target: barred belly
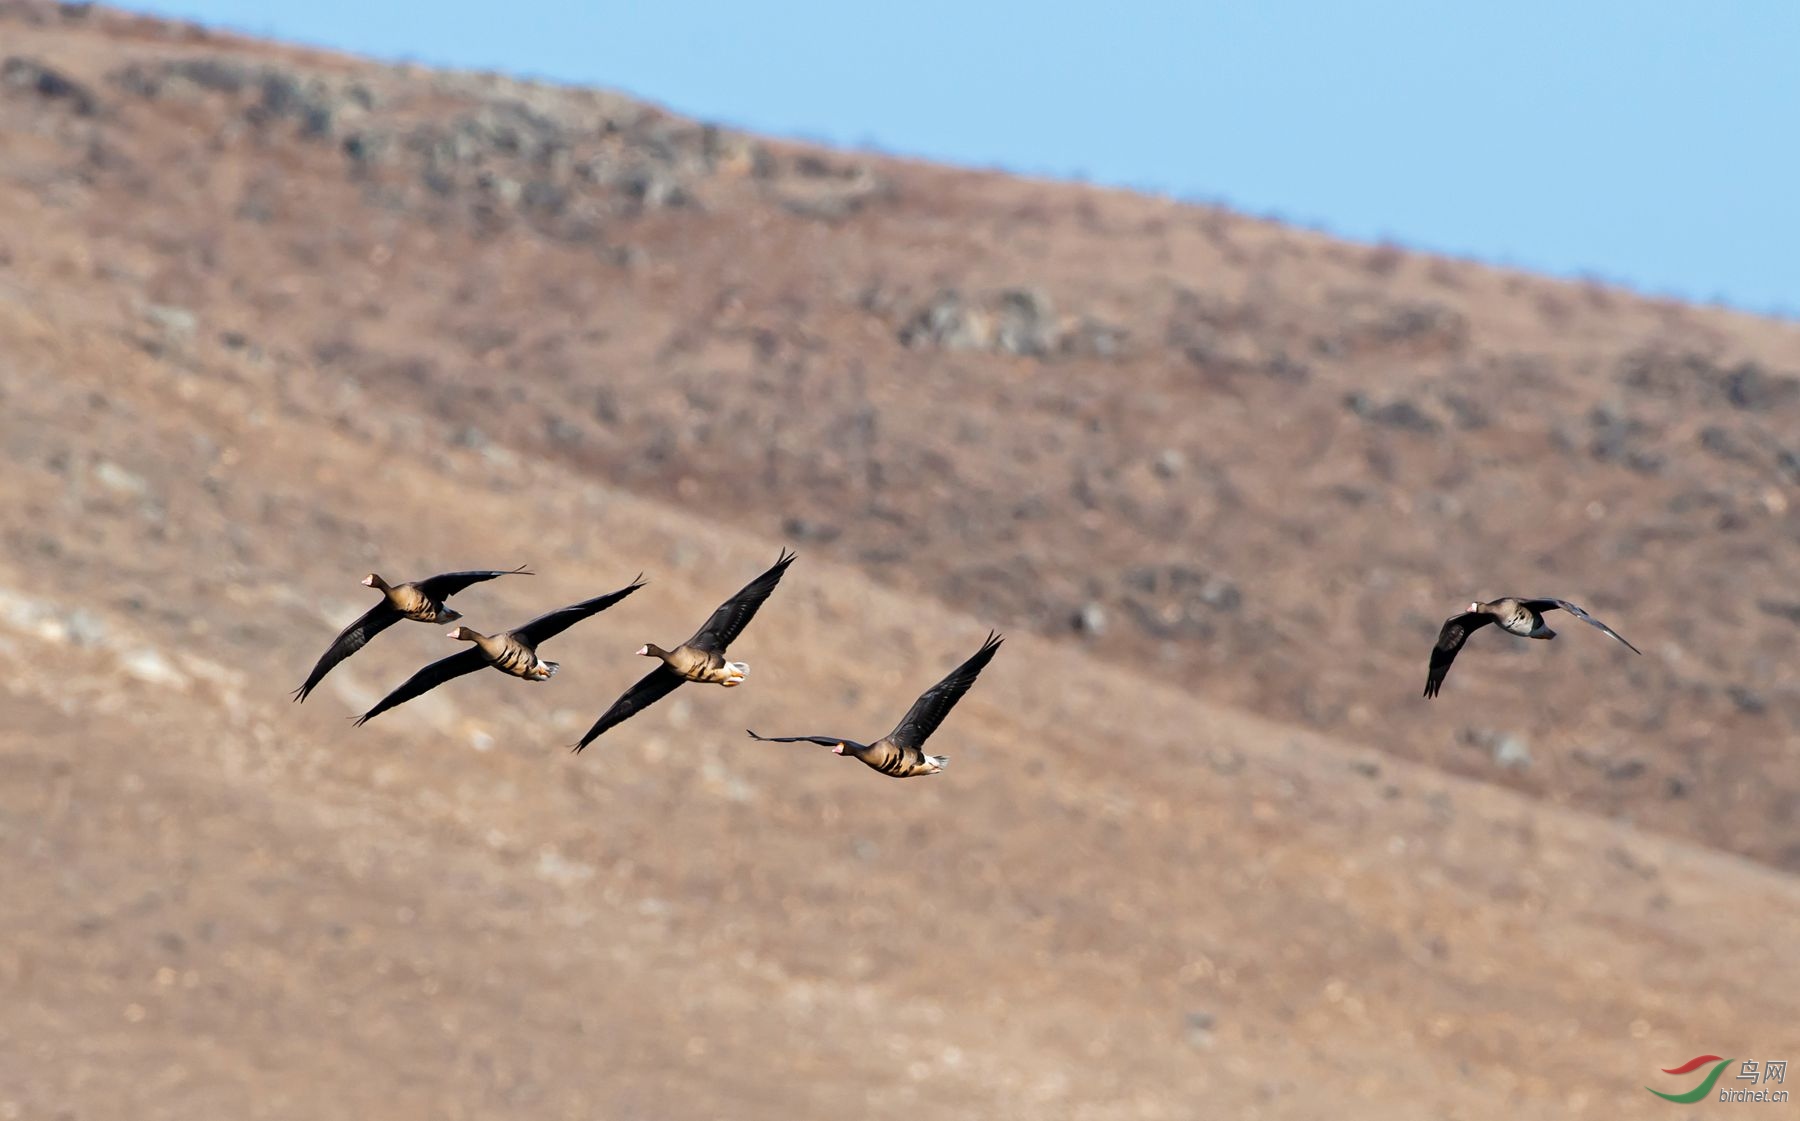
(1526, 624)
(516, 660)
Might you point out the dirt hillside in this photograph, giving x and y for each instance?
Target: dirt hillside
(272, 319)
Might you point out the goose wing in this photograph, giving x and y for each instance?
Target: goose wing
(735, 613)
(652, 687)
(822, 741)
(1541, 605)
(930, 709)
(349, 640)
(1456, 631)
(446, 584)
(427, 679)
(553, 623)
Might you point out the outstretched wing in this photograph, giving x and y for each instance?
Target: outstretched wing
(349, 640)
(556, 622)
(822, 741)
(427, 679)
(446, 584)
(1456, 632)
(735, 613)
(1547, 604)
(653, 687)
(929, 710)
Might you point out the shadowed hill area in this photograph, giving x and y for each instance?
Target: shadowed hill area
(270, 319)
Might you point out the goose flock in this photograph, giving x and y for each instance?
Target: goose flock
(421, 601)
(701, 659)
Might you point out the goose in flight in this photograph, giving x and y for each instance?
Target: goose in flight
(901, 753)
(420, 600)
(1523, 617)
(701, 658)
(514, 652)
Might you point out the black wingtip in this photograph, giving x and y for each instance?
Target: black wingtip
(751, 734)
(522, 570)
(299, 694)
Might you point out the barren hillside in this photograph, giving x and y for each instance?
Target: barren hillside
(270, 319)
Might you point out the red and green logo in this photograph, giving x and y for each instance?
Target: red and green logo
(1706, 1084)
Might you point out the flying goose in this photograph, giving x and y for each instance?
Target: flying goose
(701, 658)
(420, 600)
(1523, 617)
(901, 753)
(514, 652)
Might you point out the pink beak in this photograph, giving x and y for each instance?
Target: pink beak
(838, 750)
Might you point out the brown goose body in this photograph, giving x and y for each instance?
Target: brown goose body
(894, 760)
(413, 602)
(1515, 615)
(421, 601)
(509, 653)
(514, 652)
(700, 659)
(706, 667)
(901, 753)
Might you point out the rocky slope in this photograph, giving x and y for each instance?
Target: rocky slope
(271, 318)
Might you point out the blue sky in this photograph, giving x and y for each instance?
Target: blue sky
(1656, 145)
